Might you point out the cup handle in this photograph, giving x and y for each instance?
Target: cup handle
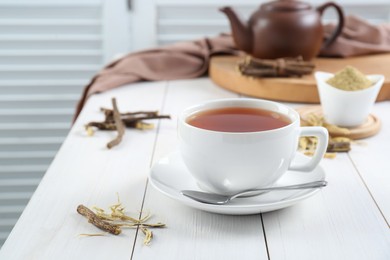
(322, 134)
(340, 24)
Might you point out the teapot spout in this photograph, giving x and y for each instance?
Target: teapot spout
(242, 34)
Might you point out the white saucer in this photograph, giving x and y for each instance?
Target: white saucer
(170, 176)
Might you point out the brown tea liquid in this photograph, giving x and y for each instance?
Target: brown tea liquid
(238, 119)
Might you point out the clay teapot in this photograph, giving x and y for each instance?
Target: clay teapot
(283, 28)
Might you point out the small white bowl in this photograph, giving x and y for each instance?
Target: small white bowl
(347, 108)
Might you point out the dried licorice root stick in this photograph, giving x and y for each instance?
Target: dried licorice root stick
(96, 221)
(119, 126)
(101, 126)
(150, 113)
(283, 67)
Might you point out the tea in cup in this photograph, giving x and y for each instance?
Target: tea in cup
(233, 145)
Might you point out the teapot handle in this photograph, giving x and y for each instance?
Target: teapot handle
(340, 25)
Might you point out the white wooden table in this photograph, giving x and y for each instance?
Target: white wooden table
(349, 219)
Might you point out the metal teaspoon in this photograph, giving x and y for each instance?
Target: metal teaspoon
(217, 199)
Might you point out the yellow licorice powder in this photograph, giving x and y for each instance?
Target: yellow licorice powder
(349, 79)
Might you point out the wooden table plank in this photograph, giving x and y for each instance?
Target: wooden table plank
(85, 172)
(372, 160)
(342, 222)
(191, 233)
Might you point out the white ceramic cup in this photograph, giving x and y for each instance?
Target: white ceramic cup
(347, 108)
(229, 162)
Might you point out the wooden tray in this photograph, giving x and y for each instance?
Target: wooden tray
(223, 72)
(369, 128)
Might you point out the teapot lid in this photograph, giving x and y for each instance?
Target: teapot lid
(285, 5)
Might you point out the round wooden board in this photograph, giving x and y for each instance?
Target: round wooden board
(223, 72)
(369, 128)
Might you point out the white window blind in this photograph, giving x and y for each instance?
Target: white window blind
(48, 52)
(187, 20)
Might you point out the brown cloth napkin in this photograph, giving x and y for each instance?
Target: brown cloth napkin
(358, 37)
(181, 60)
(191, 59)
